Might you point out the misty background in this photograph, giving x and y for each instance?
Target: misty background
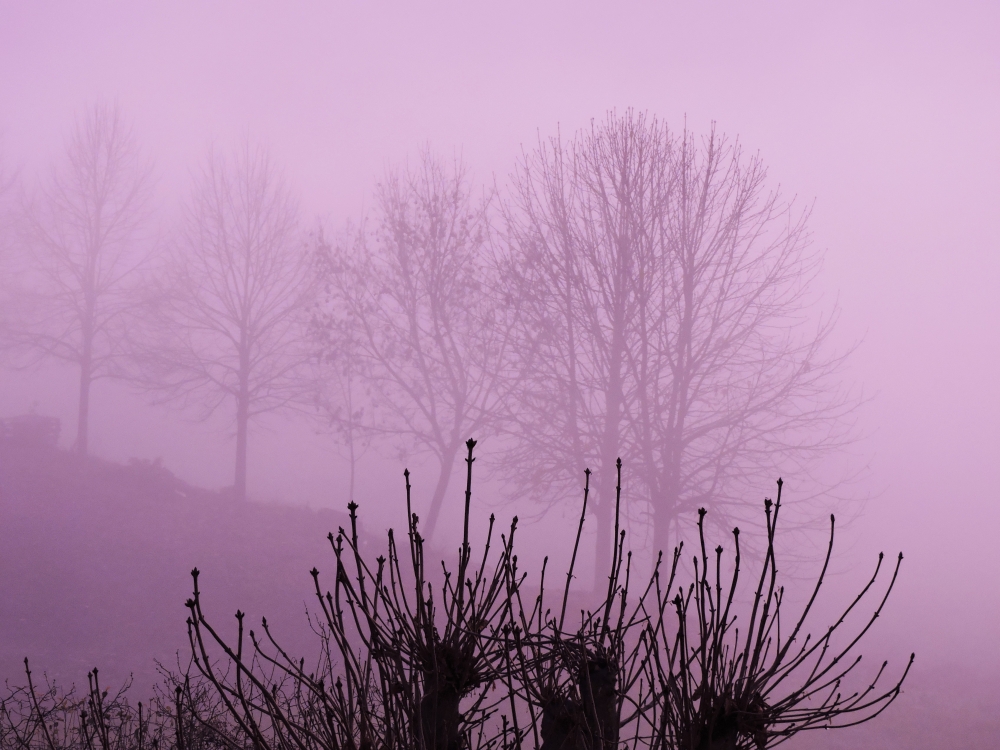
(881, 116)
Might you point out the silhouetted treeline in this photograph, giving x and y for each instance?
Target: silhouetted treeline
(627, 290)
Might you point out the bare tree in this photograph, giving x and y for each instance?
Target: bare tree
(8, 222)
(8, 184)
(736, 379)
(413, 288)
(584, 227)
(224, 318)
(81, 237)
(662, 315)
(343, 396)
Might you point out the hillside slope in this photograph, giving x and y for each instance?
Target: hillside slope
(95, 562)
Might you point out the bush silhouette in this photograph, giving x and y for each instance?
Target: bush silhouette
(465, 657)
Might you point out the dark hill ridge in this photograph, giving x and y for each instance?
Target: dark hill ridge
(95, 561)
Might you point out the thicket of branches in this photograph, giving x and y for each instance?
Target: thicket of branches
(480, 655)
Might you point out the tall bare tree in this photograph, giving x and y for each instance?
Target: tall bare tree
(662, 316)
(584, 226)
(736, 379)
(8, 221)
(8, 183)
(412, 286)
(82, 246)
(224, 319)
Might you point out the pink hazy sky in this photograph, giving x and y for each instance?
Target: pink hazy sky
(887, 115)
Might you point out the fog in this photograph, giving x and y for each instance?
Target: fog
(880, 119)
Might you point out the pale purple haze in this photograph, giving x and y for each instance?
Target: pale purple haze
(886, 115)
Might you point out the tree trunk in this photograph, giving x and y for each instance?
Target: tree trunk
(666, 507)
(242, 415)
(437, 500)
(440, 719)
(661, 528)
(600, 703)
(607, 478)
(83, 410)
(240, 481)
(83, 404)
(605, 512)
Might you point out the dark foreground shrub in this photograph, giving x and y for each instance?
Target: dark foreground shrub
(475, 657)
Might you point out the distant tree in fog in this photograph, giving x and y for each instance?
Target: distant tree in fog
(82, 244)
(343, 395)
(661, 290)
(223, 320)
(410, 290)
(8, 221)
(8, 183)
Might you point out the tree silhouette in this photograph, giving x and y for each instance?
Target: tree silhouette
(410, 291)
(343, 396)
(8, 185)
(8, 224)
(81, 237)
(661, 297)
(224, 319)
